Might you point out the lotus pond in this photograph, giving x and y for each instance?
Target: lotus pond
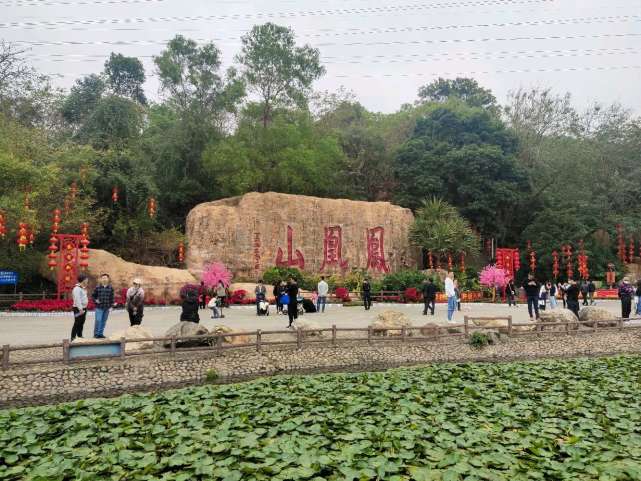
(549, 420)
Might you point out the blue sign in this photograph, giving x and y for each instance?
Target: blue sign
(8, 278)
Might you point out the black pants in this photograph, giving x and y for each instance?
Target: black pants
(533, 305)
(429, 305)
(585, 298)
(626, 307)
(202, 304)
(134, 319)
(510, 299)
(573, 306)
(78, 323)
(292, 311)
(367, 301)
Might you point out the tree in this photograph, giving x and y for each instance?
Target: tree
(466, 89)
(466, 156)
(494, 278)
(113, 123)
(82, 99)
(278, 71)
(439, 228)
(126, 76)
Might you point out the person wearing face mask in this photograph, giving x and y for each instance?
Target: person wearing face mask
(103, 298)
(80, 302)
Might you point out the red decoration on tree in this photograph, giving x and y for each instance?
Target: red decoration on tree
(555, 264)
(23, 239)
(32, 237)
(27, 202)
(114, 195)
(462, 266)
(449, 262)
(532, 261)
(73, 191)
(582, 259)
(621, 243)
(631, 251)
(3, 226)
(55, 225)
(84, 242)
(151, 207)
(181, 252)
(529, 245)
(53, 241)
(509, 260)
(430, 259)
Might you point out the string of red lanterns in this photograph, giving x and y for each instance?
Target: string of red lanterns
(3, 225)
(151, 207)
(430, 259)
(181, 252)
(449, 262)
(22, 239)
(84, 242)
(462, 266)
(631, 251)
(555, 264)
(114, 195)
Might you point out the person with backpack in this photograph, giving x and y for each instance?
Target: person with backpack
(292, 304)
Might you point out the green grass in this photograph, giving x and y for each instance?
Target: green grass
(551, 420)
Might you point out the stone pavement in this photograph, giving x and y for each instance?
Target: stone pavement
(53, 328)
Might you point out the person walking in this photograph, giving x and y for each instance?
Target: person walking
(585, 291)
(80, 303)
(261, 294)
(202, 295)
(572, 292)
(510, 293)
(221, 294)
(135, 302)
(429, 296)
(322, 289)
(292, 305)
(543, 297)
(552, 294)
(451, 295)
(532, 289)
(103, 298)
(367, 294)
(591, 291)
(626, 291)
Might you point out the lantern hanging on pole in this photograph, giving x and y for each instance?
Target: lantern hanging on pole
(430, 259)
(555, 264)
(32, 237)
(73, 191)
(631, 251)
(55, 225)
(27, 202)
(3, 226)
(462, 262)
(53, 241)
(181, 252)
(114, 195)
(23, 239)
(151, 207)
(532, 261)
(449, 262)
(84, 250)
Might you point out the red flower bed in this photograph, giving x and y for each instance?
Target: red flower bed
(342, 293)
(47, 305)
(411, 294)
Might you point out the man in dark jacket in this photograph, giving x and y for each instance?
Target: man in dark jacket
(429, 296)
(190, 306)
(626, 291)
(367, 294)
(532, 289)
(572, 297)
(292, 306)
(103, 298)
(585, 289)
(591, 291)
(510, 293)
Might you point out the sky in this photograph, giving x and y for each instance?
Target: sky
(382, 50)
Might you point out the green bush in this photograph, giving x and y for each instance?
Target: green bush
(277, 274)
(399, 281)
(211, 375)
(479, 340)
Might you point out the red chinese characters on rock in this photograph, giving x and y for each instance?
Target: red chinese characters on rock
(333, 248)
(294, 258)
(376, 250)
(257, 251)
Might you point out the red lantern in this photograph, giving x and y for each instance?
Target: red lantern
(631, 251)
(181, 252)
(3, 225)
(23, 239)
(55, 226)
(151, 207)
(114, 195)
(430, 259)
(52, 252)
(27, 202)
(449, 262)
(532, 261)
(73, 191)
(32, 237)
(462, 262)
(84, 242)
(555, 264)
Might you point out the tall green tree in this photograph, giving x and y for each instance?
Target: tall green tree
(466, 89)
(277, 70)
(125, 77)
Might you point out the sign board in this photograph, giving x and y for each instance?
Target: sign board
(111, 349)
(8, 278)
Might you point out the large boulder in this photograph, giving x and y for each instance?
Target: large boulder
(593, 314)
(390, 323)
(310, 328)
(231, 340)
(159, 283)
(256, 231)
(559, 316)
(134, 332)
(188, 329)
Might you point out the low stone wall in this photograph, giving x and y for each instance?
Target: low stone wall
(50, 383)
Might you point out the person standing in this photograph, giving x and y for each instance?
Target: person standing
(190, 306)
(429, 296)
(202, 295)
(572, 297)
(552, 294)
(451, 295)
(626, 291)
(103, 298)
(638, 296)
(585, 291)
(261, 294)
(292, 305)
(367, 294)
(510, 293)
(543, 297)
(221, 294)
(135, 302)
(532, 293)
(80, 303)
(322, 289)
(457, 290)
(591, 291)
(276, 294)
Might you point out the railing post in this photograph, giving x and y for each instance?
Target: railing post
(219, 344)
(123, 343)
(369, 334)
(173, 346)
(466, 327)
(44, 295)
(403, 334)
(21, 296)
(259, 340)
(5, 357)
(509, 326)
(299, 338)
(65, 350)
(333, 334)
(620, 323)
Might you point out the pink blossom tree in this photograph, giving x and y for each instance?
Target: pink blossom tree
(214, 273)
(494, 278)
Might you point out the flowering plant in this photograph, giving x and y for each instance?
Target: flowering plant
(214, 273)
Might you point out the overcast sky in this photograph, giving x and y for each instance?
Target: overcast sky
(383, 50)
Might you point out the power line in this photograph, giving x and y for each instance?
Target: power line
(247, 16)
(32, 4)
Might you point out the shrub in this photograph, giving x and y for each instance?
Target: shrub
(342, 293)
(401, 280)
(211, 375)
(479, 340)
(277, 274)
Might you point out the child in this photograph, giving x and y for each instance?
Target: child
(213, 305)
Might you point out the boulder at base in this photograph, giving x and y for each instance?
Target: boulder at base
(593, 314)
(159, 283)
(188, 329)
(232, 340)
(134, 332)
(558, 316)
(390, 323)
(311, 328)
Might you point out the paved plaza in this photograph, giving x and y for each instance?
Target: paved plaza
(52, 328)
